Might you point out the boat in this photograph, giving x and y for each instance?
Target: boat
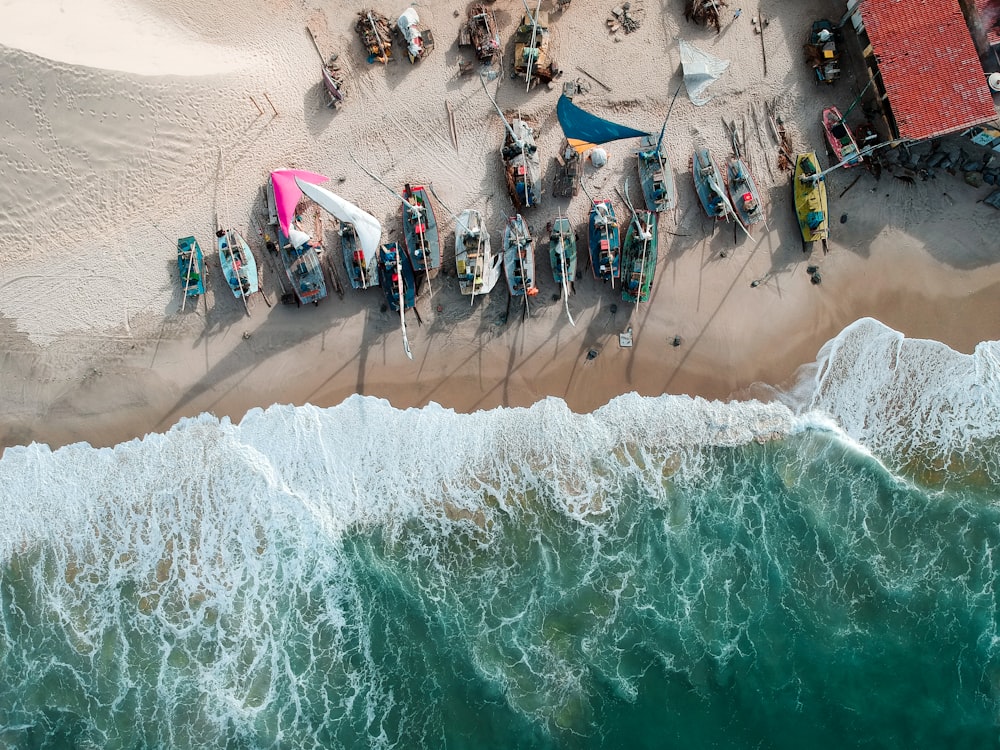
(519, 258)
(709, 185)
(376, 35)
(744, 194)
(296, 249)
(639, 254)
(417, 39)
(809, 192)
(420, 230)
(480, 32)
(333, 82)
(191, 266)
(360, 234)
(477, 265)
(566, 182)
(841, 142)
(655, 175)
(605, 243)
(395, 276)
(821, 51)
(238, 264)
(533, 63)
(562, 255)
(522, 165)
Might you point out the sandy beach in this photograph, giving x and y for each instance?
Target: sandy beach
(153, 128)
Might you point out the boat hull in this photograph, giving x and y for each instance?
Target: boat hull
(238, 264)
(301, 264)
(191, 266)
(362, 271)
(655, 176)
(605, 241)
(519, 258)
(810, 200)
(744, 194)
(839, 139)
(709, 185)
(420, 231)
(477, 265)
(522, 166)
(639, 256)
(562, 251)
(394, 263)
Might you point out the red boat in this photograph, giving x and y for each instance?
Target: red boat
(841, 143)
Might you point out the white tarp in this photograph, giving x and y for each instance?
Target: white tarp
(367, 226)
(409, 25)
(700, 71)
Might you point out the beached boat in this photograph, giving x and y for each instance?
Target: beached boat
(360, 234)
(417, 38)
(533, 63)
(566, 182)
(639, 255)
(841, 142)
(809, 192)
(709, 185)
(376, 35)
(519, 258)
(562, 255)
(296, 249)
(522, 165)
(655, 175)
(744, 194)
(477, 265)
(420, 230)
(333, 82)
(821, 51)
(238, 264)
(481, 32)
(191, 266)
(605, 243)
(395, 276)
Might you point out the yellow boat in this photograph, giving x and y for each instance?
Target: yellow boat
(810, 199)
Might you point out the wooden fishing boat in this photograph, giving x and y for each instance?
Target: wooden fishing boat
(416, 37)
(533, 63)
(639, 255)
(655, 175)
(420, 230)
(809, 192)
(605, 242)
(744, 194)
(298, 252)
(238, 264)
(191, 266)
(841, 143)
(522, 165)
(376, 35)
(519, 258)
(477, 265)
(709, 185)
(481, 32)
(333, 82)
(395, 276)
(562, 251)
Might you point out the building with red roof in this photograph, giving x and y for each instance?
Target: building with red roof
(925, 66)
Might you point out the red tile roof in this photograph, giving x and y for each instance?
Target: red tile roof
(989, 16)
(929, 66)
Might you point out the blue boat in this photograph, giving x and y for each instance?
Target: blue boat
(519, 258)
(395, 276)
(420, 230)
(238, 264)
(605, 243)
(191, 265)
(709, 185)
(655, 175)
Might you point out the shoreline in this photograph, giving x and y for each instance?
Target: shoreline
(121, 164)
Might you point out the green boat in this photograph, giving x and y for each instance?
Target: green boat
(639, 257)
(191, 265)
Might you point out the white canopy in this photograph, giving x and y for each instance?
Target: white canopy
(700, 71)
(367, 226)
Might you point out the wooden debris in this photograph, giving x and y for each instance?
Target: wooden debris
(601, 83)
(452, 129)
(624, 17)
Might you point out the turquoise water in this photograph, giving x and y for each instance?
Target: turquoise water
(661, 573)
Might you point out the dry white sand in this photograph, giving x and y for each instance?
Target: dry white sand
(131, 123)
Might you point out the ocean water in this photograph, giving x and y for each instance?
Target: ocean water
(816, 572)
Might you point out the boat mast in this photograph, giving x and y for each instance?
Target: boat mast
(236, 270)
(510, 130)
(534, 30)
(520, 263)
(187, 278)
(565, 271)
(663, 130)
(402, 302)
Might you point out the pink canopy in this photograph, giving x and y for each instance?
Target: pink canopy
(287, 193)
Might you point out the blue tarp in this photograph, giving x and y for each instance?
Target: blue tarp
(584, 130)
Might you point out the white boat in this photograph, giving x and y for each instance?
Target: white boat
(478, 266)
(360, 234)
